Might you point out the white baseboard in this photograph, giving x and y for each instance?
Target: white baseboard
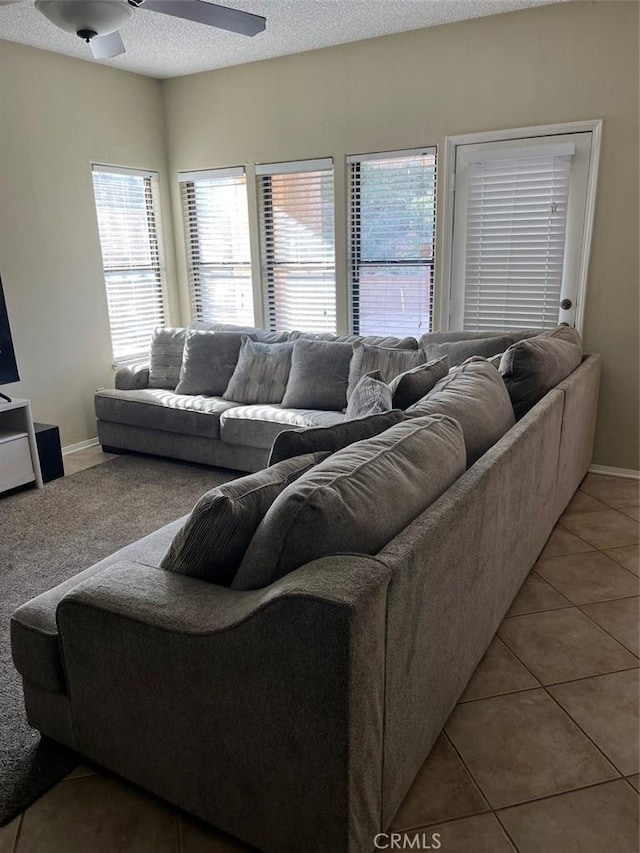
(627, 473)
(81, 445)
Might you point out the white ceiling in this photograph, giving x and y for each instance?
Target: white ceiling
(161, 46)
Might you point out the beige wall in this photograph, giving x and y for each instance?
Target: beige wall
(540, 66)
(57, 115)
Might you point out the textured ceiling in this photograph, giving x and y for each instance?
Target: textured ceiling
(161, 46)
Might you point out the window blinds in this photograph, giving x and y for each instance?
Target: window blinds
(392, 231)
(516, 223)
(215, 214)
(127, 210)
(298, 244)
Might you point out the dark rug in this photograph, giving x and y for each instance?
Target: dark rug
(48, 535)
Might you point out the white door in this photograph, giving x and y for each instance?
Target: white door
(518, 232)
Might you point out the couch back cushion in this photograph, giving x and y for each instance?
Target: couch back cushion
(389, 361)
(165, 357)
(213, 540)
(319, 376)
(208, 362)
(357, 500)
(475, 395)
(533, 367)
(459, 351)
(412, 385)
(330, 438)
(375, 340)
(261, 374)
(257, 334)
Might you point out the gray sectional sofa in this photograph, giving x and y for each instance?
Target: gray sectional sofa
(215, 431)
(295, 716)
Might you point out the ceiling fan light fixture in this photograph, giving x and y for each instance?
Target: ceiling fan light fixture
(100, 17)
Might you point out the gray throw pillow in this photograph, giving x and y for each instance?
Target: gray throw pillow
(257, 334)
(357, 500)
(475, 395)
(165, 357)
(413, 384)
(212, 542)
(295, 442)
(319, 375)
(208, 362)
(533, 367)
(460, 351)
(390, 362)
(564, 333)
(371, 396)
(261, 373)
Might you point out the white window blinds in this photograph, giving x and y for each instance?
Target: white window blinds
(392, 230)
(298, 245)
(128, 225)
(215, 214)
(515, 234)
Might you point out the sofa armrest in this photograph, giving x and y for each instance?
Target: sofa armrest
(132, 377)
(259, 711)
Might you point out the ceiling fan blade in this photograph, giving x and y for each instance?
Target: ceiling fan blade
(211, 14)
(106, 47)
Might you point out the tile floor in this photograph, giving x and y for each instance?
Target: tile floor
(539, 756)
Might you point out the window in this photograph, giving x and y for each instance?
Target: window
(298, 244)
(518, 232)
(392, 228)
(128, 225)
(215, 213)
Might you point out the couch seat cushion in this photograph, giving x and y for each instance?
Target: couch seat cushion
(257, 426)
(34, 630)
(476, 396)
(357, 500)
(157, 408)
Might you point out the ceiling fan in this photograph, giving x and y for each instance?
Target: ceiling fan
(98, 21)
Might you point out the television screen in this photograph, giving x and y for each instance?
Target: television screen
(8, 367)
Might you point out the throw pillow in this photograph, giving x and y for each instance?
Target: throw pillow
(357, 500)
(319, 375)
(212, 542)
(371, 396)
(413, 384)
(167, 346)
(563, 333)
(533, 367)
(313, 439)
(390, 362)
(208, 362)
(261, 373)
(475, 395)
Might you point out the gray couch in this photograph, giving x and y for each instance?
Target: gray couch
(214, 431)
(296, 716)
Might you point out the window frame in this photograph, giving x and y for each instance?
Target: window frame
(157, 238)
(593, 126)
(354, 261)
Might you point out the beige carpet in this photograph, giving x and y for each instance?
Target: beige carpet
(48, 535)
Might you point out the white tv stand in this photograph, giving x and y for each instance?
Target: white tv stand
(19, 463)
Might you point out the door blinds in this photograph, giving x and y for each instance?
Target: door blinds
(516, 222)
